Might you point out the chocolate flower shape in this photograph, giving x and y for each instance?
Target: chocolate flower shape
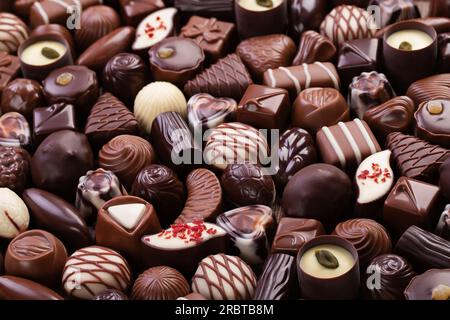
(209, 30)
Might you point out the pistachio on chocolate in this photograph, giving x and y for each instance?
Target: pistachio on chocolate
(64, 79)
(50, 53)
(265, 3)
(406, 46)
(327, 259)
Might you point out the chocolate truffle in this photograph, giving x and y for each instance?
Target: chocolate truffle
(247, 184)
(94, 189)
(431, 285)
(160, 283)
(75, 85)
(411, 202)
(307, 194)
(13, 32)
(51, 213)
(212, 35)
(207, 112)
(293, 233)
(395, 115)
(46, 120)
(443, 225)
(296, 150)
(14, 130)
(369, 238)
(14, 218)
(91, 270)
(223, 277)
(432, 119)
(266, 52)
(176, 60)
(109, 118)
(395, 273)
(434, 87)
(204, 199)
(155, 98)
(124, 76)
(15, 288)
(247, 145)
(126, 156)
(306, 15)
(394, 11)
(195, 240)
(111, 294)
(95, 22)
(427, 157)
(346, 144)
(36, 255)
(226, 78)
(368, 90)
(154, 28)
(121, 223)
(133, 11)
(444, 179)
(314, 47)
(56, 29)
(318, 107)
(14, 168)
(346, 22)
(60, 160)
(22, 96)
(250, 229)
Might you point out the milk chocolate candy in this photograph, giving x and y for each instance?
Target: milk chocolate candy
(14, 130)
(444, 179)
(444, 52)
(431, 285)
(394, 11)
(318, 107)
(15, 288)
(58, 30)
(121, 223)
(194, 239)
(443, 225)
(111, 294)
(434, 87)
(9, 69)
(133, 11)
(314, 47)
(22, 96)
(13, 32)
(14, 168)
(306, 15)
(432, 118)
(53, 214)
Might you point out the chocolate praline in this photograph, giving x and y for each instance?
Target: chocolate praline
(22, 96)
(432, 119)
(111, 294)
(444, 179)
(14, 168)
(16, 288)
(431, 285)
(57, 29)
(14, 130)
(307, 15)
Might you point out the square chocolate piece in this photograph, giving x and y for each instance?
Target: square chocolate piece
(212, 35)
(9, 69)
(293, 233)
(134, 11)
(47, 120)
(411, 202)
(264, 107)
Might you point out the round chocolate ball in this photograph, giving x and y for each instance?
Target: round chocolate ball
(444, 179)
(247, 184)
(160, 186)
(14, 168)
(60, 160)
(160, 283)
(22, 96)
(36, 255)
(319, 191)
(111, 294)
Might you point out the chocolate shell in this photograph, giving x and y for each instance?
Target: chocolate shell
(431, 285)
(14, 130)
(14, 168)
(434, 87)
(432, 118)
(13, 32)
(15, 288)
(314, 47)
(56, 29)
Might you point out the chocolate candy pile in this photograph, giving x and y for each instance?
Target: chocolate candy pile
(248, 149)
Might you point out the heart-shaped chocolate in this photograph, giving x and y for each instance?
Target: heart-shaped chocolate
(14, 130)
(207, 112)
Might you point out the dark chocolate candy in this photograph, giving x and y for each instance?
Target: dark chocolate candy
(395, 273)
(126, 156)
(13, 32)
(395, 115)
(264, 107)
(315, 108)
(7, 5)
(46, 120)
(22, 96)
(111, 294)
(427, 157)
(134, 11)
(368, 90)
(53, 214)
(109, 118)
(247, 184)
(1, 264)
(75, 85)
(431, 285)
(176, 60)
(36, 255)
(14, 130)
(121, 223)
(314, 47)
(444, 179)
(15, 288)
(206, 8)
(411, 202)
(204, 199)
(296, 150)
(433, 8)
(160, 186)
(443, 225)
(440, 24)
(432, 119)
(434, 87)
(444, 52)
(14, 168)
(213, 36)
(97, 55)
(278, 279)
(56, 29)
(251, 229)
(394, 11)
(423, 249)
(266, 52)
(307, 194)
(227, 78)
(307, 14)
(62, 158)
(293, 233)
(124, 76)
(9, 69)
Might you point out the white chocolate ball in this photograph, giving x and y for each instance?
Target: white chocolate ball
(14, 216)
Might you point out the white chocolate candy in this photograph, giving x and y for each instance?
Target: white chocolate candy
(253, 5)
(14, 216)
(32, 55)
(416, 38)
(127, 215)
(13, 32)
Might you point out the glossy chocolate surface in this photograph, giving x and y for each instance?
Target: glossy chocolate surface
(15, 288)
(427, 285)
(432, 120)
(14, 130)
(133, 11)
(307, 14)
(14, 168)
(46, 120)
(22, 96)
(9, 69)
(314, 47)
(444, 181)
